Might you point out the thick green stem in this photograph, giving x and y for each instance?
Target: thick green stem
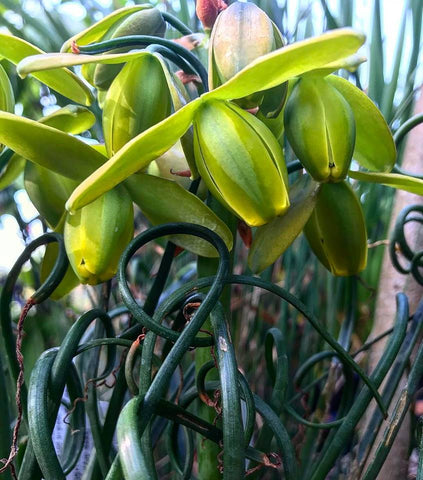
(208, 451)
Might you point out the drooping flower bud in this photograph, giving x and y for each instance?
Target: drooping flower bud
(96, 235)
(336, 230)
(144, 22)
(240, 161)
(243, 33)
(137, 99)
(320, 128)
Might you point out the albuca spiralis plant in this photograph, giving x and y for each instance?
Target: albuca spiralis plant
(194, 129)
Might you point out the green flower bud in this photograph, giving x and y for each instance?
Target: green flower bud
(336, 230)
(137, 99)
(320, 128)
(144, 22)
(242, 33)
(96, 235)
(240, 161)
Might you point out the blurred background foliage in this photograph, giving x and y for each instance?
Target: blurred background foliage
(392, 78)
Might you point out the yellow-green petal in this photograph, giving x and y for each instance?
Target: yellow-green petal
(48, 191)
(394, 180)
(134, 156)
(70, 280)
(46, 146)
(320, 128)
(374, 145)
(290, 61)
(54, 61)
(62, 80)
(71, 119)
(12, 170)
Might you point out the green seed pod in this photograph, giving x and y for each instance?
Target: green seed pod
(144, 22)
(336, 230)
(242, 33)
(97, 234)
(240, 161)
(7, 99)
(137, 99)
(320, 128)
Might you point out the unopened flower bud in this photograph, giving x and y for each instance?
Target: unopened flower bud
(144, 22)
(96, 235)
(240, 161)
(336, 230)
(243, 33)
(320, 128)
(137, 99)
